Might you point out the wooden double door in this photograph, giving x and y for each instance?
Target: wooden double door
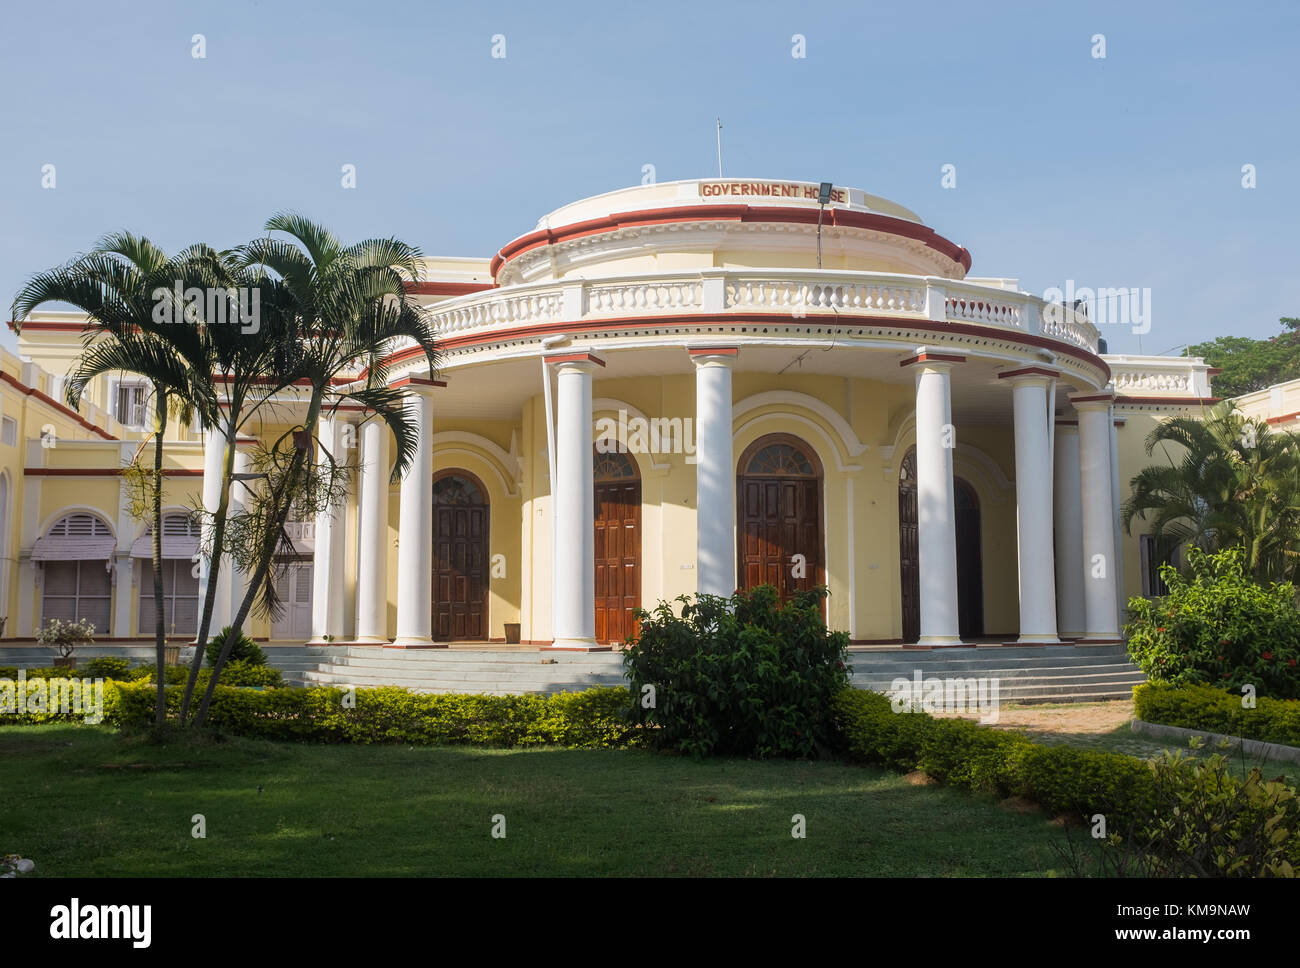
(779, 516)
(461, 562)
(618, 545)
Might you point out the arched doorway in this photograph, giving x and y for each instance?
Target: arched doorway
(618, 545)
(460, 557)
(779, 511)
(970, 567)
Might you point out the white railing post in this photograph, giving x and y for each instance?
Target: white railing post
(936, 302)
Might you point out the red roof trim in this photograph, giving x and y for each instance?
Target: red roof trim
(713, 350)
(102, 472)
(447, 288)
(50, 401)
(734, 213)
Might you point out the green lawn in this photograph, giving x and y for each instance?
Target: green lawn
(87, 801)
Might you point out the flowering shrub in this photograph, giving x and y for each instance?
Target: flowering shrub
(1218, 627)
(66, 636)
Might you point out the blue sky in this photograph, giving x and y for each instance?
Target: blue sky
(1115, 172)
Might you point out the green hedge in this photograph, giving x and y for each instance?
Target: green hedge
(590, 719)
(1216, 711)
(964, 754)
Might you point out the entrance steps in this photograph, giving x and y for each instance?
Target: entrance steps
(1058, 673)
(1063, 673)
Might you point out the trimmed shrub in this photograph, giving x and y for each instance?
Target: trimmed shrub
(1218, 627)
(238, 672)
(244, 649)
(107, 667)
(1167, 817)
(964, 754)
(745, 675)
(591, 719)
(1215, 711)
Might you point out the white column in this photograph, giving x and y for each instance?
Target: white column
(415, 527)
(214, 462)
(331, 533)
(124, 590)
(715, 473)
(936, 515)
(1069, 533)
(1098, 513)
(235, 581)
(372, 544)
(1034, 509)
(574, 585)
(1121, 602)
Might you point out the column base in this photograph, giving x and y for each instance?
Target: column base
(576, 645)
(412, 642)
(1033, 639)
(1101, 639)
(370, 640)
(939, 642)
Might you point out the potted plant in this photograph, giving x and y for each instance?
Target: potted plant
(65, 637)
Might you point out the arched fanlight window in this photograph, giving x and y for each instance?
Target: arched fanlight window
(455, 489)
(781, 459)
(613, 466)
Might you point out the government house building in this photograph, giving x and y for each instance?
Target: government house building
(682, 387)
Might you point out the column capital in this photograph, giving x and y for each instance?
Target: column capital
(932, 359)
(1030, 374)
(415, 384)
(583, 362)
(1092, 400)
(713, 355)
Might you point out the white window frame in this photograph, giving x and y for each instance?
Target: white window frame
(180, 569)
(9, 431)
(77, 595)
(116, 387)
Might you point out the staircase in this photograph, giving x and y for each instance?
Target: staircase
(1025, 675)
(1056, 673)
(496, 673)
(1064, 673)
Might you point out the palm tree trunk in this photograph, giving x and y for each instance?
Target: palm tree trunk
(159, 618)
(283, 504)
(214, 570)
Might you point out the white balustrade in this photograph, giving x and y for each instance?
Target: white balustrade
(796, 292)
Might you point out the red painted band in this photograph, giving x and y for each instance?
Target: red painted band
(733, 213)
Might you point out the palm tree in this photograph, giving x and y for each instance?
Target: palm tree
(339, 314)
(114, 286)
(195, 352)
(1228, 481)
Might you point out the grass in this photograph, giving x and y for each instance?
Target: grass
(88, 801)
